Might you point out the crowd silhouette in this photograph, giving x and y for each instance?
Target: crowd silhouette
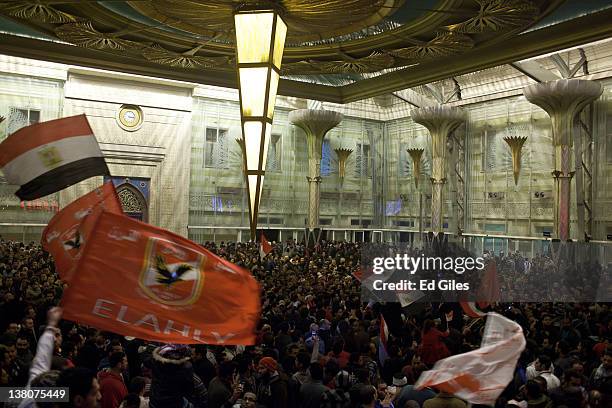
(317, 339)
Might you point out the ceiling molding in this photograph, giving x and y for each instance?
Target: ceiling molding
(575, 32)
(25, 47)
(572, 33)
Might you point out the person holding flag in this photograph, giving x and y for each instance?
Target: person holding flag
(432, 347)
(264, 246)
(480, 376)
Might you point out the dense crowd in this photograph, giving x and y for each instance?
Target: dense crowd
(317, 343)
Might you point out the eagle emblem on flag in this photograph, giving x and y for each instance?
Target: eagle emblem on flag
(72, 241)
(50, 156)
(171, 274)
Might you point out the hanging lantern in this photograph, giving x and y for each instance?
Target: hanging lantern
(516, 148)
(416, 154)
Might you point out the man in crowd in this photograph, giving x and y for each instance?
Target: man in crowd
(112, 383)
(317, 339)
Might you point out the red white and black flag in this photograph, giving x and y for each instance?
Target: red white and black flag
(47, 157)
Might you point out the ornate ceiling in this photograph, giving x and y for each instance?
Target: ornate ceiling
(343, 40)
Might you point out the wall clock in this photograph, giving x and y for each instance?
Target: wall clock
(130, 117)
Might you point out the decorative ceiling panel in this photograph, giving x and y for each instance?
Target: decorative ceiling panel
(306, 19)
(35, 11)
(359, 39)
(324, 36)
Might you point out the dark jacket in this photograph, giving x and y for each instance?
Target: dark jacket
(443, 400)
(274, 393)
(311, 394)
(172, 381)
(541, 402)
(219, 394)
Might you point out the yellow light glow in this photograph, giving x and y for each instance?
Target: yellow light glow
(279, 42)
(256, 43)
(272, 95)
(252, 143)
(266, 145)
(253, 36)
(253, 192)
(253, 90)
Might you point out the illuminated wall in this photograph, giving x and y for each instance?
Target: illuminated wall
(187, 147)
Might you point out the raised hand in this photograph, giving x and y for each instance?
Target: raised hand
(54, 315)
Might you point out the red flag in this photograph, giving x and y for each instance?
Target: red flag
(358, 274)
(366, 275)
(480, 376)
(64, 235)
(264, 246)
(142, 281)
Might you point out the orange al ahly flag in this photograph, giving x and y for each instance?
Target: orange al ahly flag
(65, 235)
(142, 281)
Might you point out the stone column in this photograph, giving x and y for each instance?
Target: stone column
(315, 124)
(440, 121)
(563, 100)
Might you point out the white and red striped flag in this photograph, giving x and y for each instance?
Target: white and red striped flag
(49, 156)
(481, 375)
(264, 246)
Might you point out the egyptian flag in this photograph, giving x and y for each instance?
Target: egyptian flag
(66, 233)
(383, 337)
(264, 246)
(145, 282)
(49, 156)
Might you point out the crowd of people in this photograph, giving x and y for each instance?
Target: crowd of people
(317, 342)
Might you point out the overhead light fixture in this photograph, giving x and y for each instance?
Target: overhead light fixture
(260, 41)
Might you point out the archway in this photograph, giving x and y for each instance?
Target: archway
(133, 202)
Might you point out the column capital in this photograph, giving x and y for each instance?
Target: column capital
(564, 96)
(563, 99)
(439, 120)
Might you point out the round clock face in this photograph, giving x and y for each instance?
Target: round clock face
(130, 117)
